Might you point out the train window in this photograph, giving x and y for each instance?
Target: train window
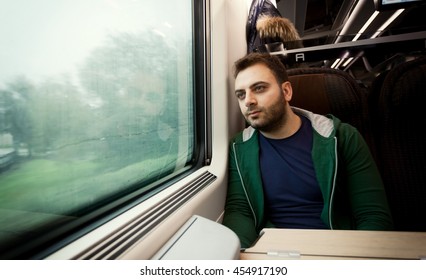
(96, 105)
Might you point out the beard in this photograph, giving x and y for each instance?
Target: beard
(270, 119)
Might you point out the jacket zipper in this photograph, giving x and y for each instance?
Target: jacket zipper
(334, 184)
(242, 183)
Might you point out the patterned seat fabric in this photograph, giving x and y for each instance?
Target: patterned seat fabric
(399, 120)
(331, 91)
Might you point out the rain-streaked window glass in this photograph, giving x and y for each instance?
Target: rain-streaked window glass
(96, 101)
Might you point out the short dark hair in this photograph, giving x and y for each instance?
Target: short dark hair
(270, 61)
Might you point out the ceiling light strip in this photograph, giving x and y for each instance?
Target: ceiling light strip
(369, 21)
(351, 18)
(386, 24)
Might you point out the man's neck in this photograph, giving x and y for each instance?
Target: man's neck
(289, 127)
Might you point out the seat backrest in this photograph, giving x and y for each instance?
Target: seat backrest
(331, 91)
(398, 125)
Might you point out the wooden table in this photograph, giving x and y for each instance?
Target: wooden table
(336, 244)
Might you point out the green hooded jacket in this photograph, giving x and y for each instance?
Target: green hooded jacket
(351, 186)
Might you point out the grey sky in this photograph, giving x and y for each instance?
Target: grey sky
(45, 38)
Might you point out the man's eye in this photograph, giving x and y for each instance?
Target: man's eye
(241, 95)
(259, 88)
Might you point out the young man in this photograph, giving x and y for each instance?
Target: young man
(295, 169)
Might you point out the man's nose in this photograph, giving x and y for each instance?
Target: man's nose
(250, 99)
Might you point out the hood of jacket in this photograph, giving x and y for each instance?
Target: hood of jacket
(323, 125)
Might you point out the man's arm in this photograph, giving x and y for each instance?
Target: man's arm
(238, 215)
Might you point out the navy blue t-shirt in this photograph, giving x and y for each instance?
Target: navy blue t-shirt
(293, 198)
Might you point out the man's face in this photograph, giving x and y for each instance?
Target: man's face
(262, 100)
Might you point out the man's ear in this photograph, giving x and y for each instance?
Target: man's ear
(287, 90)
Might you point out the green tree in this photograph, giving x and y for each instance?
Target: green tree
(135, 77)
(18, 100)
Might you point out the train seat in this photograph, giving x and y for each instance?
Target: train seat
(332, 91)
(398, 121)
